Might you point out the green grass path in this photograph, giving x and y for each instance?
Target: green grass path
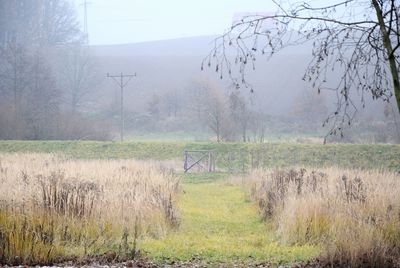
(219, 224)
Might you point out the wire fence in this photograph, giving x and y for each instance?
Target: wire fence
(246, 160)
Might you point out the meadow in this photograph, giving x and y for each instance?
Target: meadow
(65, 201)
(53, 209)
(352, 215)
(366, 156)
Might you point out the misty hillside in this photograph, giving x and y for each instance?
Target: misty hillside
(199, 133)
(174, 64)
(192, 46)
(58, 87)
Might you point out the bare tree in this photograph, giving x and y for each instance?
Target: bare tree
(41, 102)
(77, 75)
(215, 115)
(14, 75)
(172, 102)
(310, 107)
(28, 29)
(153, 107)
(240, 113)
(198, 91)
(359, 39)
(57, 22)
(393, 120)
(258, 127)
(215, 110)
(38, 22)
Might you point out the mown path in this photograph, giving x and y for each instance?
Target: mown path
(220, 225)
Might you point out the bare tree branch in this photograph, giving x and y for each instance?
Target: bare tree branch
(360, 43)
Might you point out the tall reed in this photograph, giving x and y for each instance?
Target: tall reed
(52, 207)
(354, 215)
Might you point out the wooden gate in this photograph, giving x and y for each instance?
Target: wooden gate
(200, 160)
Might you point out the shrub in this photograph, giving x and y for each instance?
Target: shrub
(353, 215)
(53, 208)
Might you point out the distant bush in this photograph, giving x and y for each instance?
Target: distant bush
(77, 127)
(59, 126)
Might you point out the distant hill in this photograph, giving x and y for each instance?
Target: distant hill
(190, 46)
(173, 64)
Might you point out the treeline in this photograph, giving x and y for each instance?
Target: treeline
(226, 113)
(229, 114)
(51, 88)
(46, 73)
(202, 106)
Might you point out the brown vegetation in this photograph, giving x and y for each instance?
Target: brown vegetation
(52, 208)
(352, 214)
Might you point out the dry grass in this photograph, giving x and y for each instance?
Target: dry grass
(354, 215)
(52, 208)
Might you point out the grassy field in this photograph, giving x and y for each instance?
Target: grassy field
(352, 214)
(214, 220)
(53, 209)
(219, 224)
(267, 154)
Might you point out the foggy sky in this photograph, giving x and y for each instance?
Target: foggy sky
(132, 21)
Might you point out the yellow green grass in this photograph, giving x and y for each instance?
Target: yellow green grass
(268, 155)
(53, 209)
(352, 214)
(220, 225)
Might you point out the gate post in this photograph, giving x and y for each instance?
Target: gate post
(185, 165)
(210, 162)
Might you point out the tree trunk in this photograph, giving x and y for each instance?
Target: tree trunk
(389, 50)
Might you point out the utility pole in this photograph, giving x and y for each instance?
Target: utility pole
(85, 21)
(119, 79)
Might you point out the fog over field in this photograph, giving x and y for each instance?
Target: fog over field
(172, 66)
(60, 79)
(229, 133)
(177, 63)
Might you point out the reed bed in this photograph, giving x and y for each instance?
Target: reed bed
(353, 215)
(54, 208)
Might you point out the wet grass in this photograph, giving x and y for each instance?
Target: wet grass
(352, 214)
(218, 222)
(220, 225)
(377, 156)
(54, 209)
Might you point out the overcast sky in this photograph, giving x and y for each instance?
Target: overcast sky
(132, 21)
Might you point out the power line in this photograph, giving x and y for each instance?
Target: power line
(119, 79)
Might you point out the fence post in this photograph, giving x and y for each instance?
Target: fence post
(213, 161)
(252, 159)
(229, 162)
(185, 163)
(209, 161)
(243, 160)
